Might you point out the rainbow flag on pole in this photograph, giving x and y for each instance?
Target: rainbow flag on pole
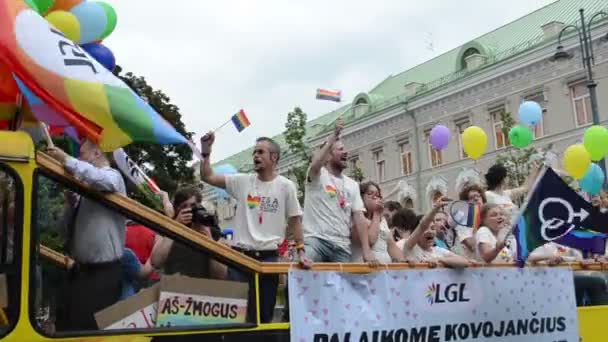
(74, 85)
(240, 121)
(323, 94)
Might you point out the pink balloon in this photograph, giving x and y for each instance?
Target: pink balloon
(440, 137)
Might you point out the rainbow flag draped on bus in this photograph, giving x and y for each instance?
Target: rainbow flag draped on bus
(554, 212)
(64, 80)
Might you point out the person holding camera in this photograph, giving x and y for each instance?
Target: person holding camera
(267, 206)
(175, 257)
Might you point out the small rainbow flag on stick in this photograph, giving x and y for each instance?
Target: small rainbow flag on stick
(240, 121)
(323, 94)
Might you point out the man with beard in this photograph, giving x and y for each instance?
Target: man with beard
(267, 205)
(333, 207)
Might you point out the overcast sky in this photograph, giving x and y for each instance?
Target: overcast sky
(267, 56)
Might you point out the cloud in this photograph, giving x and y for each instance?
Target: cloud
(215, 57)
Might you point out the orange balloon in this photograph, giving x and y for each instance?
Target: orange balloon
(64, 5)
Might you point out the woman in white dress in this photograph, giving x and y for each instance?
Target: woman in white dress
(496, 179)
(380, 237)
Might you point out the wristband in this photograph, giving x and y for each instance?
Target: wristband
(300, 247)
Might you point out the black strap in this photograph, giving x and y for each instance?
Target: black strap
(72, 227)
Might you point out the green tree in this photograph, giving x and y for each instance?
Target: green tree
(356, 172)
(295, 136)
(518, 161)
(167, 165)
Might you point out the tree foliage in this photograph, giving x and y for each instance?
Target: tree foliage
(295, 135)
(167, 165)
(356, 172)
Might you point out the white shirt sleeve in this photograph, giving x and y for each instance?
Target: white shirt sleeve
(236, 184)
(292, 205)
(485, 235)
(102, 179)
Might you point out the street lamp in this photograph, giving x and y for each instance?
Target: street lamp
(588, 57)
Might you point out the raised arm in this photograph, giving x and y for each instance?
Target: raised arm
(523, 190)
(207, 174)
(424, 224)
(103, 179)
(320, 157)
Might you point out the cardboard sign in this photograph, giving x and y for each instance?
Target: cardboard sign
(186, 301)
(138, 311)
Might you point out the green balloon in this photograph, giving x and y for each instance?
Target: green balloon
(111, 20)
(596, 142)
(32, 5)
(520, 136)
(44, 5)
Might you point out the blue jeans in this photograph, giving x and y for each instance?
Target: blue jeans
(319, 250)
(269, 284)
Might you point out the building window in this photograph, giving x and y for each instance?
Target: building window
(379, 160)
(353, 163)
(500, 140)
(407, 166)
(461, 124)
(435, 156)
(538, 97)
(581, 102)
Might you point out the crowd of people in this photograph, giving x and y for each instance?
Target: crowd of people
(341, 221)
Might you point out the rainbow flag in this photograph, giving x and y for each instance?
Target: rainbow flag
(240, 121)
(323, 94)
(74, 85)
(474, 216)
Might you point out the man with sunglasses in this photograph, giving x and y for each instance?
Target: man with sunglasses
(267, 205)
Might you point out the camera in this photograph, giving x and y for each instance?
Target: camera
(201, 216)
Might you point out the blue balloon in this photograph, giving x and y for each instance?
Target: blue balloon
(593, 180)
(101, 54)
(93, 21)
(224, 169)
(530, 113)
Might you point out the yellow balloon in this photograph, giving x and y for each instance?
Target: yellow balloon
(474, 142)
(577, 161)
(65, 22)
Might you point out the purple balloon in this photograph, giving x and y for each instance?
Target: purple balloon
(440, 137)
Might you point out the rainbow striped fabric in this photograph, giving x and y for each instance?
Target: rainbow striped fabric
(240, 121)
(474, 216)
(74, 85)
(323, 94)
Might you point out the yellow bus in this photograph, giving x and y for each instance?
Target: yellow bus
(31, 188)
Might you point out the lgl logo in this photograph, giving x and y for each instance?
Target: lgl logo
(452, 293)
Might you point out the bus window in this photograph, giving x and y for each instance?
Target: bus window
(10, 221)
(160, 282)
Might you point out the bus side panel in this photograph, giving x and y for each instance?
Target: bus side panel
(592, 323)
(252, 336)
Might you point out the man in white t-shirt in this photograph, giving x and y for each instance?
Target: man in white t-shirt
(267, 205)
(333, 206)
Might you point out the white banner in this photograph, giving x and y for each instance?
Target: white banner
(476, 304)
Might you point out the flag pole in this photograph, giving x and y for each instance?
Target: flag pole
(222, 125)
(46, 135)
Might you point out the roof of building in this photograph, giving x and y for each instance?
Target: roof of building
(498, 45)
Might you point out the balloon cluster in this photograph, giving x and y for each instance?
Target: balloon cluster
(86, 23)
(578, 159)
(530, 115)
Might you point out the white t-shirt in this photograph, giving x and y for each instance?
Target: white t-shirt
(433, 254)
(328, 207)
(380, 248)
(262, 211)
(507, 254)
(504, 200)
(553, 249)
(463, 233)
